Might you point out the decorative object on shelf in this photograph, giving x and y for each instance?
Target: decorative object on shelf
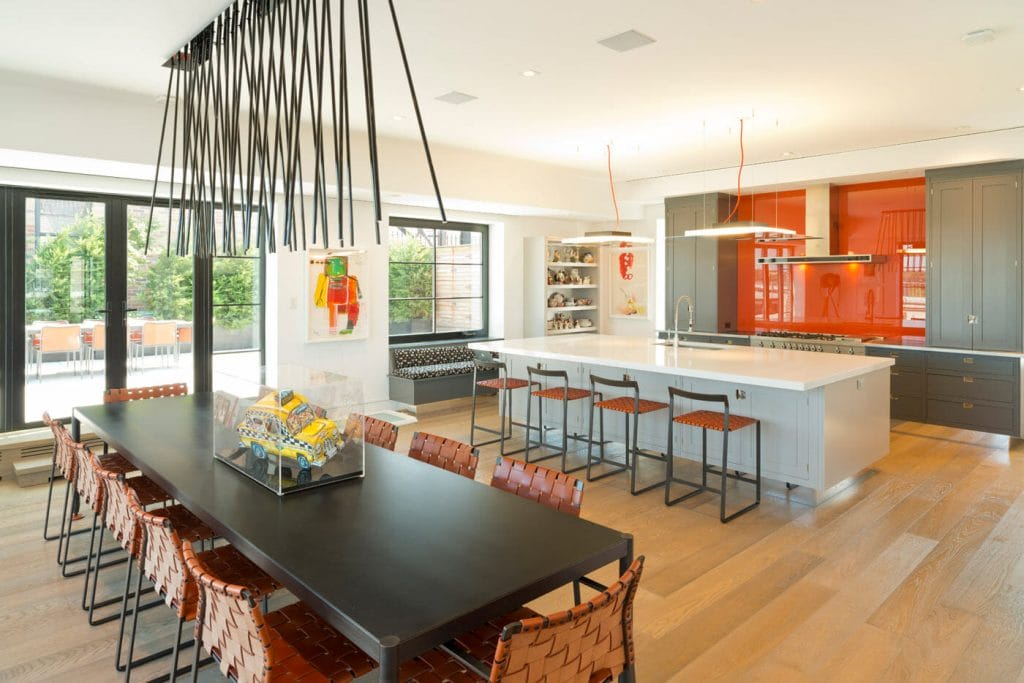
(587, 257)
(556, 256)
(243, 89)
(586, 279)
(556, 300)
(551, 277)
(574, 276)
(287, 429)
(629, 295)
(334, 310)
(560, 277)
(585, 323)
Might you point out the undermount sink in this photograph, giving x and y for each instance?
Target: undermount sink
(691, 345)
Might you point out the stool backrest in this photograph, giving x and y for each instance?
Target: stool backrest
(559, 491)
(121, 394)
(624, 383)
(541, 372)
(590, 642)
(65, 458)
(118, 515)
(448, 454)
(695, 396)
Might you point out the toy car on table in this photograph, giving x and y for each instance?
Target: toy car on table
(284, 424)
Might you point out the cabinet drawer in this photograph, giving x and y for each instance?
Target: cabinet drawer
(968, 387)
(974, 364)
(906, 408)
(980, 416)
(903, 358)
(906, 382)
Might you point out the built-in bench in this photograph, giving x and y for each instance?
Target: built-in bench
(428, 373)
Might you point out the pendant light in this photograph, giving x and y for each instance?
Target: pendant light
(730, 228)
(616, 236)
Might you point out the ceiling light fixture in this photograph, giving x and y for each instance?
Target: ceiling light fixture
(236, 133)
(615, 236)
(530, 73)
(728, 228)
(455, 97)
(398, 117)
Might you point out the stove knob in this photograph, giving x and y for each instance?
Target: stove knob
(838, 350)
(851, 350)
(771, 344)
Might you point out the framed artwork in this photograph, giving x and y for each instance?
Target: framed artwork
(629, 288)
(335, 298)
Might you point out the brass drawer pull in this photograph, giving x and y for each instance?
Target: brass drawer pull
(968, 361)
(968, 379)
(894, 355)
(968, 406)
(894, 372)
(894, 398)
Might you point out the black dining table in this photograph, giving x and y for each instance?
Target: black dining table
(400, 561)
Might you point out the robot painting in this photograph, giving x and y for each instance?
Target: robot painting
(335, 305)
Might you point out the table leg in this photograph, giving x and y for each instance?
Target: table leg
(389, 659)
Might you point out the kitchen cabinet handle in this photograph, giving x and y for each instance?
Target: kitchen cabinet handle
(894, 372)
(968, 406)
(968, 361)
(894, 398)
(968, 379)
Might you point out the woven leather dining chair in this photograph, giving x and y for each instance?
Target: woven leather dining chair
(562, 492)
(372, 430)
(122, 394)
(591, 642)
(289, 644)
(63, 464)
(163, 564)
(448, 454)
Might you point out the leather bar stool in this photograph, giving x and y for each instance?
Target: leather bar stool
(563, 393)
(724, 422)
(504, 385)
(631, 406)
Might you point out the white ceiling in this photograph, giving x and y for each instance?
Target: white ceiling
(819, 77)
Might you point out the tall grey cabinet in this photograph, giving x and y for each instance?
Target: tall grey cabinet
(702, 267)
(974, 243)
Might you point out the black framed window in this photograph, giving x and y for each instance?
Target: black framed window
(437, 280)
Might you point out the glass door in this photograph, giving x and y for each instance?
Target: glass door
(65, 301)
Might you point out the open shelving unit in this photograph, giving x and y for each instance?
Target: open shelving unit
(561, 289)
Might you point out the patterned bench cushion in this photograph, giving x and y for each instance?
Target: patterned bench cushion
(430, 355)
(436, 370)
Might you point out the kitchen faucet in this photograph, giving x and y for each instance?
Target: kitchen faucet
(689, 308)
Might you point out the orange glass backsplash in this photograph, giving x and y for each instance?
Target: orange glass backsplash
(885, 299)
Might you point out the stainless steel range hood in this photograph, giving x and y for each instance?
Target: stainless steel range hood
(822, 225)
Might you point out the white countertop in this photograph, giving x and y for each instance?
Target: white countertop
(797, 370)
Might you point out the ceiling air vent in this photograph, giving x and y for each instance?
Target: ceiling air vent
(455, 97)
(624, 42)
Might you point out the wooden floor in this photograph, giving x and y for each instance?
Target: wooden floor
(915, 572)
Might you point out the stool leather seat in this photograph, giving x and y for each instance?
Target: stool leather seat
(500, 383)
(625, 404)
(711, 419)
(557, 393)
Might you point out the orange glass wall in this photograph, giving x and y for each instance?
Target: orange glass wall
(885, 299)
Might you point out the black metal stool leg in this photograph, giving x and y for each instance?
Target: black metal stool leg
(49, 502)
(725, 473)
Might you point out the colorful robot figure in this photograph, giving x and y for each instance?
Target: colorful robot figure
(339, 292)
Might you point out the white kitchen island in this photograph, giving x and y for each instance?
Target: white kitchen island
(824, 417)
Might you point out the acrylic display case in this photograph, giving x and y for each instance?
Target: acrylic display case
(292, 428)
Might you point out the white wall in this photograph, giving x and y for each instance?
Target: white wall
(368, 358)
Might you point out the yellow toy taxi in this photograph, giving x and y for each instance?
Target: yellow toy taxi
(286, 425)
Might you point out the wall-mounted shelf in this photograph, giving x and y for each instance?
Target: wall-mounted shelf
(555, 309)
(575, 330)
(563, 264)
(590, 286)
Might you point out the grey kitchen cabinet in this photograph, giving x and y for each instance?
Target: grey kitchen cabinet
(956, 389)
(703, 268)
(974, 246)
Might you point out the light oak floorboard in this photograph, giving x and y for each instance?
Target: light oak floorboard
(910, 574)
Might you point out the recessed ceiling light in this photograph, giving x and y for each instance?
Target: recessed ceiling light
(455, 97)
(1020, 89)
(626, 41)
(530, 73)
(982, 35)
(787, 154)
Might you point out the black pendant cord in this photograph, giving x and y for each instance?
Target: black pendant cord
(371, 116)
(186, 148)
(272, 179)
(328, 23)
(174, 146)
(159, 156)
(346, 125)
(416, 108)
(314, 74)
